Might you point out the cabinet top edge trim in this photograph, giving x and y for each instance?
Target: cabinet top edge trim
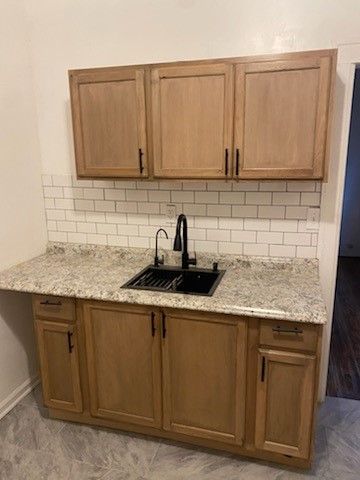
(271, 57)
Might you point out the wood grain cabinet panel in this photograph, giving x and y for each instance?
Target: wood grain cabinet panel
(124, 365)
(192, 113)
(285, 402)
(204, 376)
(281, 117)
(109, 122)
(59, 364)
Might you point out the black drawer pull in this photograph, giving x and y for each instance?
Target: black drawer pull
(141, 167)
(279, 329)
(263, 364)
(237, 162)
(53, 304)
(226, 162)
(163, 321)
(153, 329)
(70, 345)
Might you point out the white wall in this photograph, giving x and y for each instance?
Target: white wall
(86, 33)
(22, 231)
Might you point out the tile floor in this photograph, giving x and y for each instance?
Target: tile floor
(34, 447)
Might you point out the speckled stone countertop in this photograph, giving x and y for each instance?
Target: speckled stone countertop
(252, 286)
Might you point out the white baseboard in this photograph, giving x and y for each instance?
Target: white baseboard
(18, 394)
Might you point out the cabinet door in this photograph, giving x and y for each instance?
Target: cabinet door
(123, 355)
(192, 109)
(204, 376)
(59, 364)
(109, 122)
(285, 402)
(281, 112)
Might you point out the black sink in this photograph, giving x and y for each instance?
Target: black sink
(195, 281)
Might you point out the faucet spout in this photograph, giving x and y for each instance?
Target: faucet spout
(181, 244)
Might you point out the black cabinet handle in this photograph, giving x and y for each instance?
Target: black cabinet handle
(237, 159)
(141, 167)
(70, 345)
(163, 321)
(226, 162)
(153, 329)
(263, 369)
(279, 329)
(54, 304)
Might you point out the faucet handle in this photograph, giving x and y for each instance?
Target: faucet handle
(193, 261)
(159, 260)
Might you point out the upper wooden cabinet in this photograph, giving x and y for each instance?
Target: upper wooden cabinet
(109, 122)
(192, 112)
(250, 117)
(281, 118)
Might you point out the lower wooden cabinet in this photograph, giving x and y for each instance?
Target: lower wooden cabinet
(183, 375)
(204, 371)
(59, 363)
(124, 365)
(284, 406)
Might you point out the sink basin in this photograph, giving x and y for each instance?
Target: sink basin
(195, 281)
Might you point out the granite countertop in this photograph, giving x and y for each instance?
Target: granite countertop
(285, 289)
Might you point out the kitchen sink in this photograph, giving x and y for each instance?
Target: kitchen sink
(195, 281)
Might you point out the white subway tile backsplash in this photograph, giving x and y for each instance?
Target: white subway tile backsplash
(53, 192)
(245, 211)
(239, 217)
(57, 236)
(272, 186)
(182, 197)
(218, 235)
(107, 228)
(62, 180)
(159, 196)
(243, 236)
(231, 248)
(306, 252)
(96, 239)
(311, 199)
(65, 226)
(282, 251)
(270, 211)
(85, 205)
(257, 249)
(286, 198)
(93, 194)
(55, 214)
(258, 198)
(276, 238)
(206, 197)
(232, 198)
(65, 203)
(114, 194)
(97, 217)
(76, 237)
(297, 238)
(299, 213)
(136, 195)
(300, 186)
(256, 224)
(104, 206)
(117, 241)
(219, 210)
(86, 227)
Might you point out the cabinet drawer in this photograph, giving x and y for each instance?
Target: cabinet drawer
(289, 335)
(56, 308)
